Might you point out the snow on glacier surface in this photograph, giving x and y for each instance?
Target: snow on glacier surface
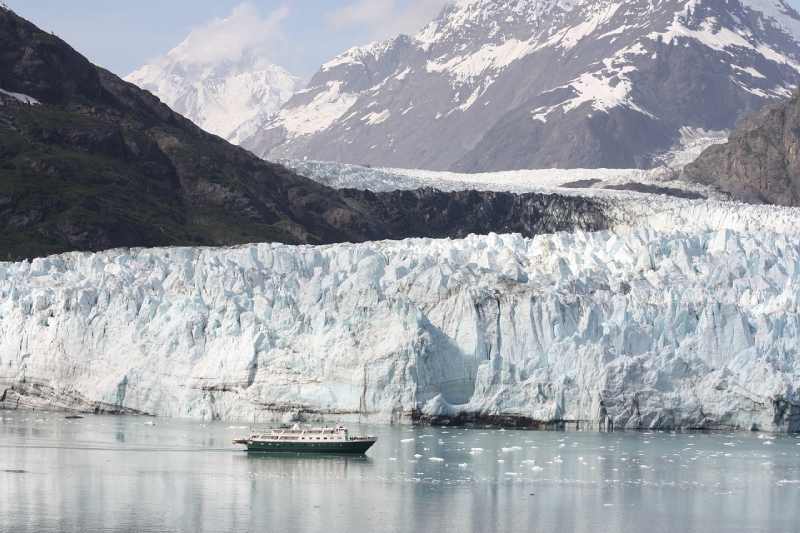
(584, 182)
(24, 98)
(646, 327)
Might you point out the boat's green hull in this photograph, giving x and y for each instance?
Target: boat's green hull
(354, 447)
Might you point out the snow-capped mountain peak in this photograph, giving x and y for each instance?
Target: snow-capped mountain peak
(498, 85)
(219, 88)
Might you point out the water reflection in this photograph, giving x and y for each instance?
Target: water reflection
(123, 474)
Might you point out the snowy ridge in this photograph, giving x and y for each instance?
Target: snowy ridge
(640, 327)
(543, 74)
(319, 114)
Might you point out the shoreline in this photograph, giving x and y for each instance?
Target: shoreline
(485, 422)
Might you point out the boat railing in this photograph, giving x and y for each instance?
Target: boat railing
(297, 432)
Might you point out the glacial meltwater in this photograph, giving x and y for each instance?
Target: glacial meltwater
(152, 475)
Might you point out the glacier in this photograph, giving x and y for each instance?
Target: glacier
(594, 182)
(687, 318)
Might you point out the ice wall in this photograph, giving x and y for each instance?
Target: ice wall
(642, 328)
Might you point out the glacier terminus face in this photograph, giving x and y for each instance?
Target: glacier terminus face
(637, 327)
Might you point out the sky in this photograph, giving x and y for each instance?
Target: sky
(300, 35)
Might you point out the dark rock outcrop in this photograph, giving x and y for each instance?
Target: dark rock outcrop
(760, 163)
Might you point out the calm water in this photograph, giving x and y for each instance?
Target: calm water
(121, 474)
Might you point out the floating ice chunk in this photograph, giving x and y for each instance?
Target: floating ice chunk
(406, 441)
(511, 449)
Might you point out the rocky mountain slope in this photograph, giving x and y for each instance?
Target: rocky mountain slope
(761, 160)
(686, 323)
(89, 162)
(498, 85)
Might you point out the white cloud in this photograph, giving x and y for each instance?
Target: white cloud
(244, 30)
(388, 18)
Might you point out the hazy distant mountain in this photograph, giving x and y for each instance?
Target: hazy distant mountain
(220, 95)
(494, 85)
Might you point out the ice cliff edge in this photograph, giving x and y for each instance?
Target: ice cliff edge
(637, 328)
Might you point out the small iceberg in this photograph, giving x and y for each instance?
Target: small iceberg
(511, 449)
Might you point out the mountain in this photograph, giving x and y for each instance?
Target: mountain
(761, 160)
(221, 97)
(90, 162)
(511, 84)
(691, 326)
(219, 76)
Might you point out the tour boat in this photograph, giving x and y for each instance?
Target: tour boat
(307, 440)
